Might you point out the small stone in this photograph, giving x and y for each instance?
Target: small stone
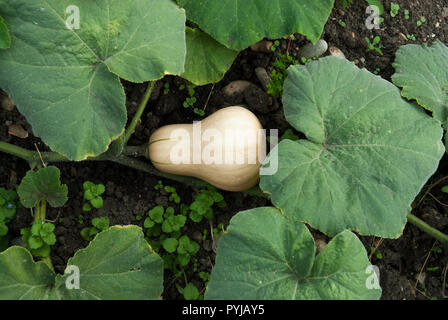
(262, 46)
(235, 87)
(337, 52)
(313, 50)
(17, 131)
(6, 103)
(263, 77)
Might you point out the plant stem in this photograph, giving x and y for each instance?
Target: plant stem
(131, 129)
(40, 210)
(40, 216)
(147, 167)
(440, 236)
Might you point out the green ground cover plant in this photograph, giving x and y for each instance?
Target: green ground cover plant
(366, 152)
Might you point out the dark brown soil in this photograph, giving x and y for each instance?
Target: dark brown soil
(403, 263)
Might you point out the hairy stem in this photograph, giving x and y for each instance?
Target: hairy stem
(440, 236)
(131, 129)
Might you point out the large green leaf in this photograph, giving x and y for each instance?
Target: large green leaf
(118, 264)
(43, 184)
(22, 278)
(5, 39)
(266, 256)
(207, 60)
(422, 71)
(66, 80)
(368, 154)
(239, 24)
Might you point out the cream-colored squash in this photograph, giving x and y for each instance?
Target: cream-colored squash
(225, 149)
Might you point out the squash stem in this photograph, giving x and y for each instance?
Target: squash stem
(440, 236)
(131, 129)
(40, 216)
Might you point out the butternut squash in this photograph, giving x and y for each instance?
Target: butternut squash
(225, 149)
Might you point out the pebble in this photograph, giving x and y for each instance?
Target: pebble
(262, 46)
(236, 87)
(313, 50)
(17, 131)
(337, 52)
(7, 103)
(263, 77)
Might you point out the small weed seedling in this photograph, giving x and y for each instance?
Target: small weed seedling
(278, 75)
(374, 45)
(191, 99)
(39, 238)
(159, 185)
(421, 21)
(173, 194)
(203, 203)
(406, 14)
(166, 88)
(174, 197)
(92, 194)
(342, 23)
(376, 252)
(275, 45)
(98, 225)
(394, 9)
(8, 208)
(411, 37)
